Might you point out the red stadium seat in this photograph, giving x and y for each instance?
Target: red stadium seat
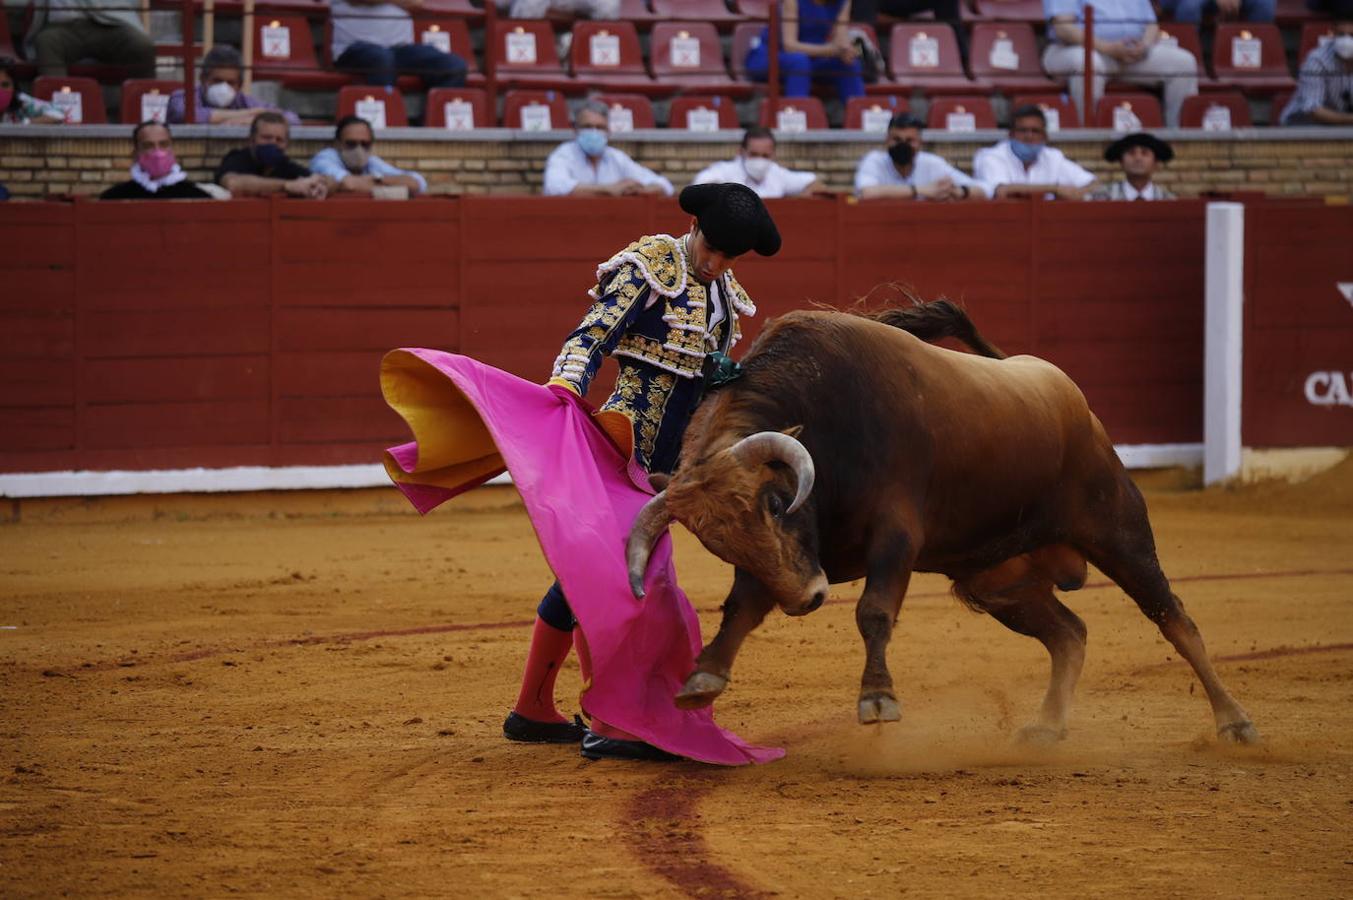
(535, 110)
(146, 99)
(1250, 56)
(873, 111)
(1216, 111)
(1129, 112)
(628, 111)
(22, 70)
(81, 99)
(285, 52)
(1293, 12)
(745, 36)
(713, 11)
(1030, 11)
(461, 9)
(1006, 55)
(457, 109)
(1060, 111)
(753, 9)
(1313, 34)
(925, 55)
(382, 107)
(525, 55)
(1277, 103)
(450, 34)
(960, 114)
(702, 113)
(791, 114)
(689, 56)
(606, 55)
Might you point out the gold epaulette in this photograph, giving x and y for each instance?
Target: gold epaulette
(659, 258)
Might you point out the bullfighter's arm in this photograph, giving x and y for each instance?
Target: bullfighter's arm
(600, 330)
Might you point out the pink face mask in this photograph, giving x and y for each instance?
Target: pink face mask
(157, 163)
(6, 95)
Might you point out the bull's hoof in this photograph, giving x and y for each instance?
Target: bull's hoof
(1239, 733)
(879, 708)
(700, 690)
(1039, 735)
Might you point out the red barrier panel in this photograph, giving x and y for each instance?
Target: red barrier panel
(1298, 344)
(174, 335)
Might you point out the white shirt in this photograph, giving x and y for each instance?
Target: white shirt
(384, 24)
(998, 165)
(876, 168)
(779, 181)
(568, 166)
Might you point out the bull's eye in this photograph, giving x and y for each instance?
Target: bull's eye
(775, 505)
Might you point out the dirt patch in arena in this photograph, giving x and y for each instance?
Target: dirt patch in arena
(301, 694)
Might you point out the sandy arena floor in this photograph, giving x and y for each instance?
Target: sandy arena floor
(301, 695)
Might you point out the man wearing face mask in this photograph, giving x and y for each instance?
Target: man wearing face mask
(1025, 166)
(155, 172)
(1324, 93)
(903, 171)
(669, 310)
(263, 167)
(587, 167)
(755, 167)
(352, 167)
(219, 98)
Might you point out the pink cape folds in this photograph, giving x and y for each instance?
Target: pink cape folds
(470, 422)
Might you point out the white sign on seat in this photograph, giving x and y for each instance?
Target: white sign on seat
(372, 110)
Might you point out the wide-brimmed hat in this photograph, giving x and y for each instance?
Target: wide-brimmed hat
(732, 218)
(1163, 151)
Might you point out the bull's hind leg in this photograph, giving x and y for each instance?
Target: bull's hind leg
(1033, 610)
(1128, 556)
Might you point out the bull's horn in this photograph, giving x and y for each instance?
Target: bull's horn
(648, 525)
(764, 446)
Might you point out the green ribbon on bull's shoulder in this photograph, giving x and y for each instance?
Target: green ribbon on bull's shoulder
(720, 369)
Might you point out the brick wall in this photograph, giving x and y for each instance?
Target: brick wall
(48, 162)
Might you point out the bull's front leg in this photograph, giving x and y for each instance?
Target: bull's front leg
(876, 613)
(746, 607)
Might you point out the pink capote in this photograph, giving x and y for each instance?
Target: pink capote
(470, 421)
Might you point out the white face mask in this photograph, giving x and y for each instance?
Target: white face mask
(757, 166)
(220, 95)
(1343, 46)
(355, 158)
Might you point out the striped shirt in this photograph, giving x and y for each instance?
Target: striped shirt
(1324, 81)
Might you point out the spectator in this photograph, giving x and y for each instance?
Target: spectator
(376, 41)
(219, 100)
(947, 11)
(815, 41)
(585, 166)
(107, 31)
(542, 9)
(904, 171)
(18, 108)
(264, 168)
(353, 168)
(1024, 165)
(1140, 155)
(1127, 46)
(1324, 93)
(756, 168)
(155, 173)
(1192, 11)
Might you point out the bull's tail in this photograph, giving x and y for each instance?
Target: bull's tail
(938, 319)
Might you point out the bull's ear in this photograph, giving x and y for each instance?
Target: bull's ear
(659, 480)
(793, 431)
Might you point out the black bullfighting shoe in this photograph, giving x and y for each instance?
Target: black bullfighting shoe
(528, 731)
(597, 747)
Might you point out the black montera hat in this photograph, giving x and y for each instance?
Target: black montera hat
(1163, 151)
(732, 218)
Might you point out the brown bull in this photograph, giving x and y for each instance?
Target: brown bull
(853, 448)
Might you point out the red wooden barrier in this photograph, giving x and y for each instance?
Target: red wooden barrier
(173, 335)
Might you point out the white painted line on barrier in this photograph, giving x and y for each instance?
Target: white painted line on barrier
(301, 478)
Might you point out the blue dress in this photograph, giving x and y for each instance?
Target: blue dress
(797, 70)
